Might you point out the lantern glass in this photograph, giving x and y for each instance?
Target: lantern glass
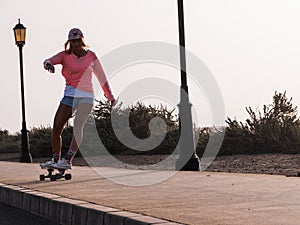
(20, 34)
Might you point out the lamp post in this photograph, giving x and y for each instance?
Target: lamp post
(20, 33)
(187, 159)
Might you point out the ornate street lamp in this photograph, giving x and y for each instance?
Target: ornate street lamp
(20, 34)
(187, 159)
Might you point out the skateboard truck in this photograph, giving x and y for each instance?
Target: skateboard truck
(56, 176)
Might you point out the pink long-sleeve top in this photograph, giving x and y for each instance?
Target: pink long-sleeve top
(78, 71)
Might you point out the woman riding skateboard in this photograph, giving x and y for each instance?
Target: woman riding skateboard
(78, 65)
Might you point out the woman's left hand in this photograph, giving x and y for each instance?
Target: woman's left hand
(113, 102)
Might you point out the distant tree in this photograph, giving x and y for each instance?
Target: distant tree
(277, 128)
(3, 134)
(274, 130)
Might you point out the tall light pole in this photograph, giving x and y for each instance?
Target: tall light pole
(187, 159)
(20, 34)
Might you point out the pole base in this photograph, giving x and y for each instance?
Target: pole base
(25, 154)
(193, 164)
(26, 159)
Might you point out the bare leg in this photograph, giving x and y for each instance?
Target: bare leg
(63, 114)
(81, 116)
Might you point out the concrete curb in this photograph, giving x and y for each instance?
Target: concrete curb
(65, 211)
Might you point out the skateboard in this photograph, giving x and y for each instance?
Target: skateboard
(57, 175)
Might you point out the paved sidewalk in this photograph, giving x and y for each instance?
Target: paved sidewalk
(185, 197)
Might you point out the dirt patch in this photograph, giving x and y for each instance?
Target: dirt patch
(280, 164)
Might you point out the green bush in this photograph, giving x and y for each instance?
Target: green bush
(139, 120)
(9, 143)
(40, 141)
(274, 130)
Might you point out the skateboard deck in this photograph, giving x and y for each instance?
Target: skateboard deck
(53, 176)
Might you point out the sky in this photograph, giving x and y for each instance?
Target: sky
(250, 47)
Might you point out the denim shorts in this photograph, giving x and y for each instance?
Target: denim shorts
(74, 102)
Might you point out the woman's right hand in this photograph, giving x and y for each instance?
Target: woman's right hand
(50, 67)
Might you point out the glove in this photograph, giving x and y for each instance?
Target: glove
(49, 67)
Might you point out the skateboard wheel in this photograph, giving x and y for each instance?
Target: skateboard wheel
(68, 176)
(42, 177)
(53, 178)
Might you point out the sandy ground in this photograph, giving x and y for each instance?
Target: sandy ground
(279, 164)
